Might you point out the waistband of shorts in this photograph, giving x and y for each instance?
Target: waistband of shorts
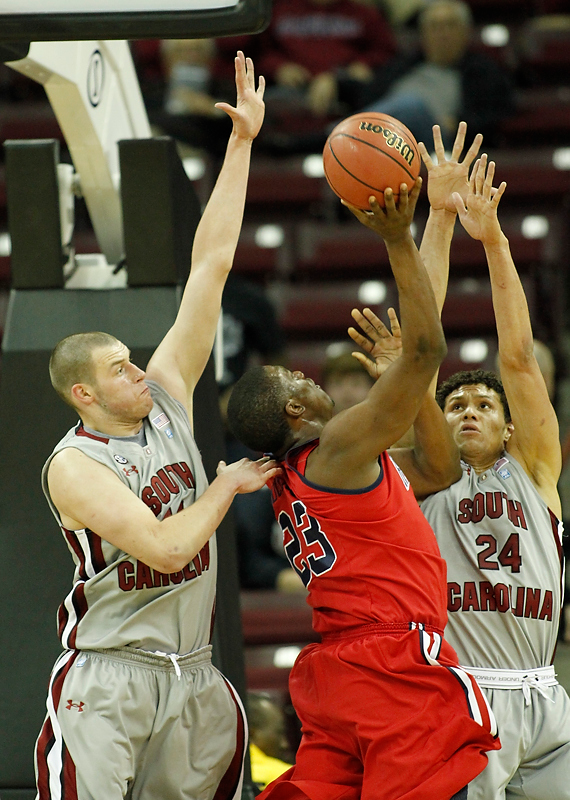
(513, 678)
(378, 629)
(157, 660)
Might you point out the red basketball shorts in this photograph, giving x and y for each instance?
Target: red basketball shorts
(386, 714)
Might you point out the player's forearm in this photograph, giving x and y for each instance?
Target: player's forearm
(422, 334)
(435, 451)
(512, 317)
(434, 250)
(173, 542)
(219, 229)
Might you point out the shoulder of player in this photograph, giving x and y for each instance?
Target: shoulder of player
(71, 465)
(541, 476)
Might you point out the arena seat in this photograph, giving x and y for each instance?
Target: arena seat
(259, 262)
(544, 50)
(349, 250)
(272, 620)
(270, 617)
(322, 311)
(542, 118)
(280, 186)
(470, 353)
(29, 121)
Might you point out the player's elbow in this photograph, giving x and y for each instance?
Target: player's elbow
(165, 555)
(430, 351)
(173, 559)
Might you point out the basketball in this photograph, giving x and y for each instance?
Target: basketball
(367, 153)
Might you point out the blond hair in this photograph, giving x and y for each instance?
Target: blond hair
(71, 361)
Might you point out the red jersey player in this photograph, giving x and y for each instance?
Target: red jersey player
(387, 714)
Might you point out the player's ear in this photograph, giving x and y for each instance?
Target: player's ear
(293, 408)
(81, 394)
(510, 429)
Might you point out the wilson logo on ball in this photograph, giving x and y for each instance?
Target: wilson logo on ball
(392, 140)
(368, 153)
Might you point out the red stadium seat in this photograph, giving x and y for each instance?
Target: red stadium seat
(322, 311)
(347, 250)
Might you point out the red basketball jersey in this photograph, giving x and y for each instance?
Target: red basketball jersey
(365, 555)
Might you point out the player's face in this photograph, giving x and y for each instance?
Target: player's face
(477, 420)
(118, 385)
(307, 392)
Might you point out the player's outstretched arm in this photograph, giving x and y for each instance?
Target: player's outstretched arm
(89, 495)
(445, 177)
(535, 441)
(180, 359)
(431, 461)
(351, 442)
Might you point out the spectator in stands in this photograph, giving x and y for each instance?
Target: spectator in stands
(444, 81)
(321, 50)
(189, 113)
(345, 380)
(268, 745)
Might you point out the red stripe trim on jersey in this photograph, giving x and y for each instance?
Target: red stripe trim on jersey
(212, 621)
(69, 777)
(229, 785)
(80, 431)
(80, 606)
(46, 739)
(555, 522)
(96, 550)
(73, 541)
(62, 618)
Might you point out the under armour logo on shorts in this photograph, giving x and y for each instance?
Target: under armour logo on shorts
(78, 706)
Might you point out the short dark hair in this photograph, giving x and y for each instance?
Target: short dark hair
(256, 411)
(470, 377)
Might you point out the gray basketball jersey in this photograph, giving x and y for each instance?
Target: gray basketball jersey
(503, 549)
(116, 600)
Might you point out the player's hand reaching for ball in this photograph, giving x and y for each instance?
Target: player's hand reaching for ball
(393, 222)
(249, 476)
(248, 113)
(448, 175)
(478, 213)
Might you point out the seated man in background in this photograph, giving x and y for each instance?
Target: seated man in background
(444, 81)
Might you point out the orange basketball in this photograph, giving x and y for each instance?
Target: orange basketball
(367, 153)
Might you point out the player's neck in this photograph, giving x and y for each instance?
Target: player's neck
(481, 463)
(112, 426)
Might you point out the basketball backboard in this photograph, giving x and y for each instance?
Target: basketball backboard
(77, 20)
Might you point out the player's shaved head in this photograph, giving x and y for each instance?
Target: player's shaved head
(72, 362)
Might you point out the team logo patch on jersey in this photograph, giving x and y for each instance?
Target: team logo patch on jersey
(161, 421)
(169, 433)
(501, 469)
(121, 459)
